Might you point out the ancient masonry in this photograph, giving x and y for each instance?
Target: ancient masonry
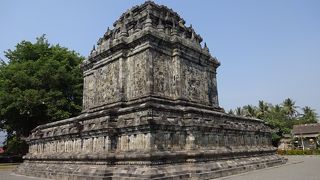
(150, 111)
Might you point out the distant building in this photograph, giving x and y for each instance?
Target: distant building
(1, 150)
(306, 136)
(285, 142)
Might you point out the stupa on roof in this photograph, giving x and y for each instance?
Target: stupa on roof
(150, 111)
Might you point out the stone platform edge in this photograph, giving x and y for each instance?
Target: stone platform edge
(191, 170)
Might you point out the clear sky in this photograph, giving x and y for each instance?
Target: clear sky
(269, 50)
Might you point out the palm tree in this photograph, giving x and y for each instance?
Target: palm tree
(249, 111)
(308, 111)
(239, 111)
(231, 112)
(309, 115)
(263, 108)
(289, 108)
(277, 108)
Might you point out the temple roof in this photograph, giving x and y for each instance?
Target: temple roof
(159, 18)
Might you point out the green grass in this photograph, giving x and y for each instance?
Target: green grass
(8, 166)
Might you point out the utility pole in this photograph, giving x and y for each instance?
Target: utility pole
(302, 141)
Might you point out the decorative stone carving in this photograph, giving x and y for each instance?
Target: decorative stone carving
(150, 111)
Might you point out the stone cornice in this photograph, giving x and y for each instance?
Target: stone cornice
(146, 38)
(145, 103)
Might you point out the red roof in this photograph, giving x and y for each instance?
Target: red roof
(1, 150)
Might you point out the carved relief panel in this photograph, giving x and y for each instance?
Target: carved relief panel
(136, 76)
(88, 91)
(195, 83)
(107, 84)
(212, 91)
(164, 82)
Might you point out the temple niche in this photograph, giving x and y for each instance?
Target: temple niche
(150, 111)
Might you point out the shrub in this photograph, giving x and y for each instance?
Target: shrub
(299, 152)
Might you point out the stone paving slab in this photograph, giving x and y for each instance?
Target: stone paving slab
(297, 168)
(9, 175)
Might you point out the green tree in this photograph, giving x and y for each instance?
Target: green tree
(239, 111)
(15, 146)
(278, 121)
(309, 116)
(249, 111)
(289, 108)
(262, 109)
(280, 118)
(40, 83)
(231, 112)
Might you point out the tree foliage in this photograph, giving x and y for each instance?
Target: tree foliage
(39, 83)
(280, 117)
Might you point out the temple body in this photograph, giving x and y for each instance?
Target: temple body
(150, 111)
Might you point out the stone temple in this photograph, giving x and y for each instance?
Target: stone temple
(150, 111)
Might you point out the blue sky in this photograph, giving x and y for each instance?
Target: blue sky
(269, 50)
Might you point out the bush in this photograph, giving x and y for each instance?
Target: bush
(299, 152)
(10, 159)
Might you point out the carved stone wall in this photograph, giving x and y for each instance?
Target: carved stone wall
(195, 82)
(151, 130)
(136, 83)
(165, 75)
(151, 73)
(107, 89)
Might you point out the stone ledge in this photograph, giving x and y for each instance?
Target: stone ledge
(153, 155)
(207, 170)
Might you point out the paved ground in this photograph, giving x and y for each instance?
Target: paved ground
(8, 175)
(297, 168)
